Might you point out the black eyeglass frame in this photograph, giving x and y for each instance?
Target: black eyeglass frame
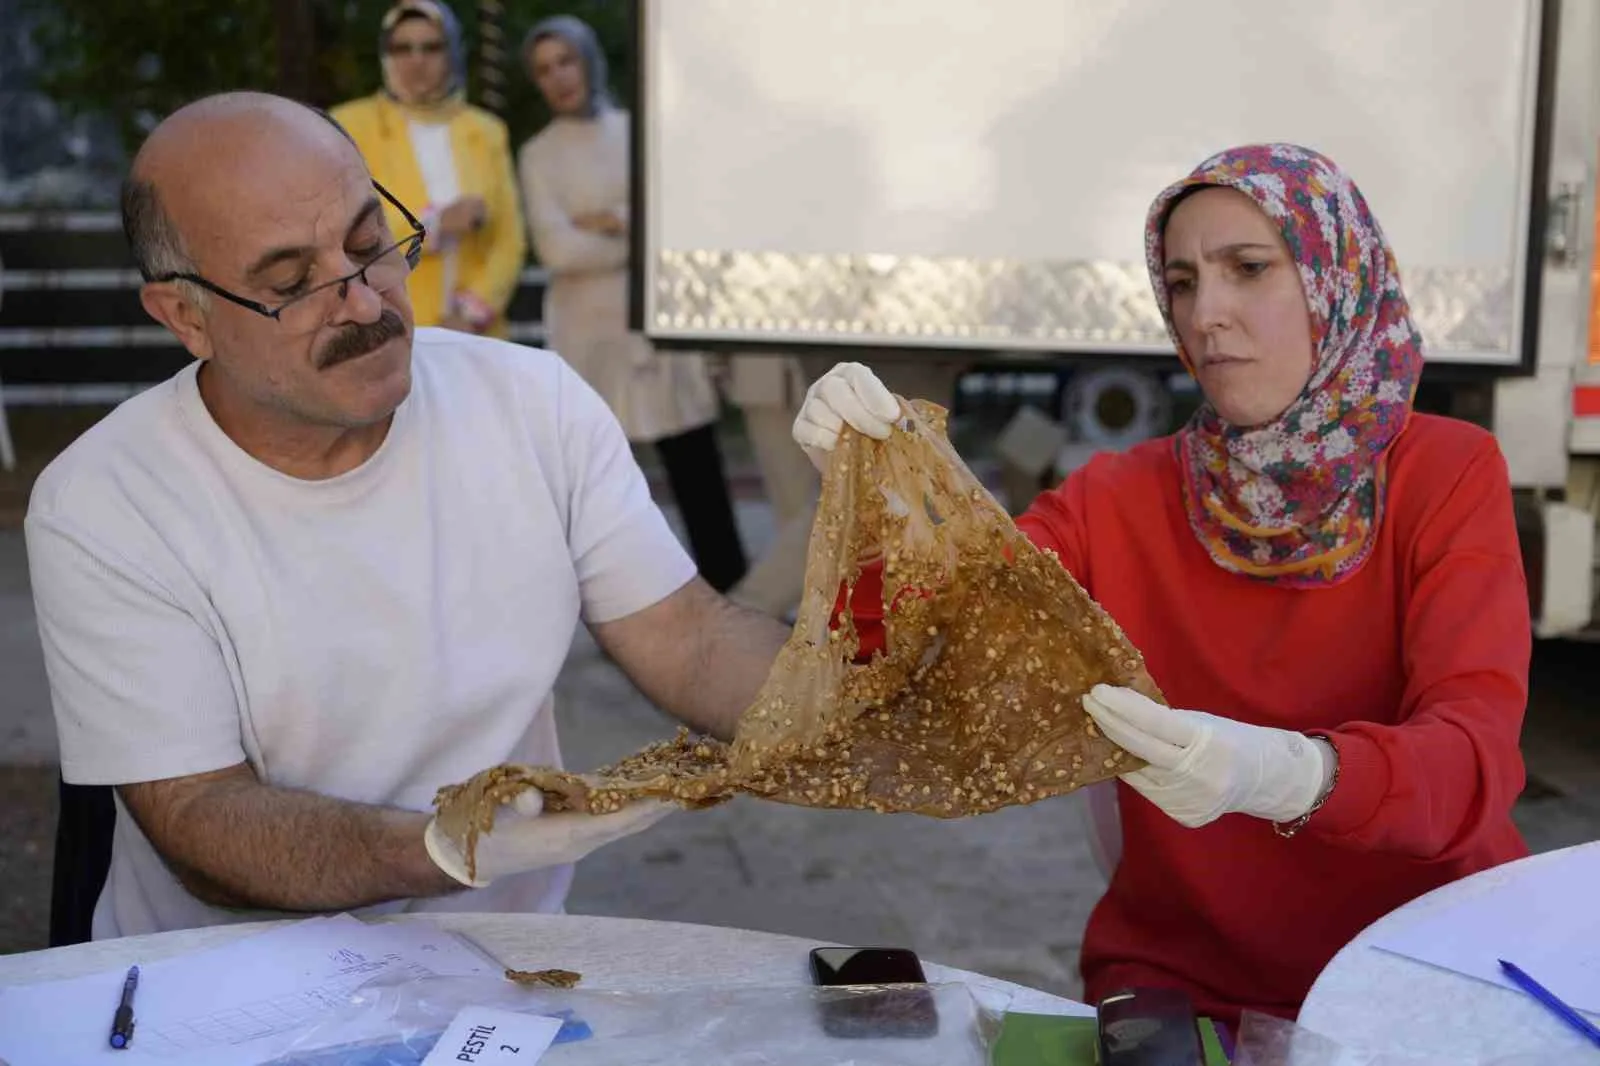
(413, 253)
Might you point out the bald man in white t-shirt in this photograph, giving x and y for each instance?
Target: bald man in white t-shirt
(336, 562)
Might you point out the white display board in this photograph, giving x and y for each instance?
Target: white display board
(946, 173)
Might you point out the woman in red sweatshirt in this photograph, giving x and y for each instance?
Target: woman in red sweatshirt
(1328, 581)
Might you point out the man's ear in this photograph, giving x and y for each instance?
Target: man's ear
(167, 304)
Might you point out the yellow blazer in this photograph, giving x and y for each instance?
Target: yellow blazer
(487, 261)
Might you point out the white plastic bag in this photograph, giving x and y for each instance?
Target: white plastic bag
(397, 1024)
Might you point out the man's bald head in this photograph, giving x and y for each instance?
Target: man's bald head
(204, 152)
(269, 202)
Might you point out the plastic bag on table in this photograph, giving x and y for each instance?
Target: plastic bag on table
(973, 705)
(1265, 1040)
(397, 1023)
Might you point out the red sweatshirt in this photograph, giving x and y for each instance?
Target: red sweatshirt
(1416, 669)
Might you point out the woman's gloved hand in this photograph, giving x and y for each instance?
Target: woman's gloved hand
(849, 394)
(524, 838)
(1202, 766)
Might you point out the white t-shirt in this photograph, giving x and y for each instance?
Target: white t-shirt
(372, 636)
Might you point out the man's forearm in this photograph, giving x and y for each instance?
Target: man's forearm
(704, 663)
(697, 656)
(235, 842)
(734, 652)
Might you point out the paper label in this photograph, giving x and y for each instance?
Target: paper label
(483, 1036)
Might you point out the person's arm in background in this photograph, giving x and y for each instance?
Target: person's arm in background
(1427, 787)
(561, 246)
(612, 223)
(143, 701)
(487, 286)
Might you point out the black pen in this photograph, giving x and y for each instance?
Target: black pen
(122, 1024)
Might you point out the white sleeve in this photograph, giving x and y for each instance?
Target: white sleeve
(625, 555)
(139, 687)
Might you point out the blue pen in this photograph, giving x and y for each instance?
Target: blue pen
(122, 1024)
(1548, 998)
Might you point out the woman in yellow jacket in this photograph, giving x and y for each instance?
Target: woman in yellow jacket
(448, 161)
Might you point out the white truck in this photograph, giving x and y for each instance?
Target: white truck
(967, 179)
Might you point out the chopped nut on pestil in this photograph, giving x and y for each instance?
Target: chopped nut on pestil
(965, 711)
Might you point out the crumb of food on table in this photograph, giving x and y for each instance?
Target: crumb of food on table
(972, 705)
(545, 978)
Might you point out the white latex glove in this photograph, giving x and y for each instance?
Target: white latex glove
(1202, 766)
(524, 838)
(849, 394)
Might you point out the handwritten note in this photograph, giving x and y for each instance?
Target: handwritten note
(483, 1036)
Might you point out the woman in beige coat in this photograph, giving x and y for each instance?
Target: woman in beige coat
(574, 176)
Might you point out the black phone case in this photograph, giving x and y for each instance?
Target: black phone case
(903, 1011)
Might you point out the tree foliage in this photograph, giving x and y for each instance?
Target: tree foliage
(136, 61)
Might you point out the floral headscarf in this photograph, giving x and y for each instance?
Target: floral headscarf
(1299, 501)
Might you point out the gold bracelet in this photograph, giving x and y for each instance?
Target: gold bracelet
(1289, 829)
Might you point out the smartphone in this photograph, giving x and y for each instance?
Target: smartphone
(902, 1010)
(1148, 1027)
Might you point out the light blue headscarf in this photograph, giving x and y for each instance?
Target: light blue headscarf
(579, 35)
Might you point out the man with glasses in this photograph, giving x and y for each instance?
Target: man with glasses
(336, 562)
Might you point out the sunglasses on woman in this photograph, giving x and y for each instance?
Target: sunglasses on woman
(421, 48)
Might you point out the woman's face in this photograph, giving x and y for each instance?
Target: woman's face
(418, 62)
(557, 69)
(1238, 306)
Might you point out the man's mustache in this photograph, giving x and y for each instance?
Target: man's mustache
(358, 340)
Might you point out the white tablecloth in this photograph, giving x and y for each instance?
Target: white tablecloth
(1373, 999)
(623, 954)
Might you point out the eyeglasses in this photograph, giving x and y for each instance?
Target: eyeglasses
(310, 310)
(424, 48)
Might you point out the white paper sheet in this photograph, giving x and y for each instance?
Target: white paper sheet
(1542, 918)
(234, 1005)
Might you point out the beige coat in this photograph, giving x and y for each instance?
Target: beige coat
(574, 167)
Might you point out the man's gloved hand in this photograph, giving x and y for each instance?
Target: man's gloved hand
(849, 394)
(1202, 766)
(524, 838)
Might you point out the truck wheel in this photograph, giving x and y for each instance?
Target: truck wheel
(1116, 407)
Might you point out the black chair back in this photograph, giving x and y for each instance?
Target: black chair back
(83, 857)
